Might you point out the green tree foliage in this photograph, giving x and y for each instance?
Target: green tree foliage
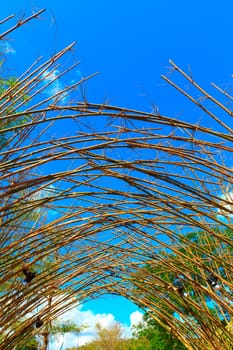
(109, 338)
(10, 108)
(58, 329)
(112, 339)
(32, 344)
(184, 290)
(126, 344)
(126, 188)
(158, 338)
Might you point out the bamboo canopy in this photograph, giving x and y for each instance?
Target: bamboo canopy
(99, 199)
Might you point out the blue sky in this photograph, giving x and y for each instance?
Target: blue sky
(129, 43)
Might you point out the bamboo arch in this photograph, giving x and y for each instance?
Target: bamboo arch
(109, 203)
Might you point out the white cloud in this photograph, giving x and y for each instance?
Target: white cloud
(229, 198)
(226, 202)
(78, 77)
(135, 318)
(6, 48)
(80, 317)
(86, 318)
(55, 84)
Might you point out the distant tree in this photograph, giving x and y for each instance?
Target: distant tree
(152, 199)
(59, 329)
(158, 338)
(124, 344)
(8, 88)
(191, 291)
(106, 339)
(109, 338)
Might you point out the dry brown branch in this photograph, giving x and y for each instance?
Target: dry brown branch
(125, 204)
